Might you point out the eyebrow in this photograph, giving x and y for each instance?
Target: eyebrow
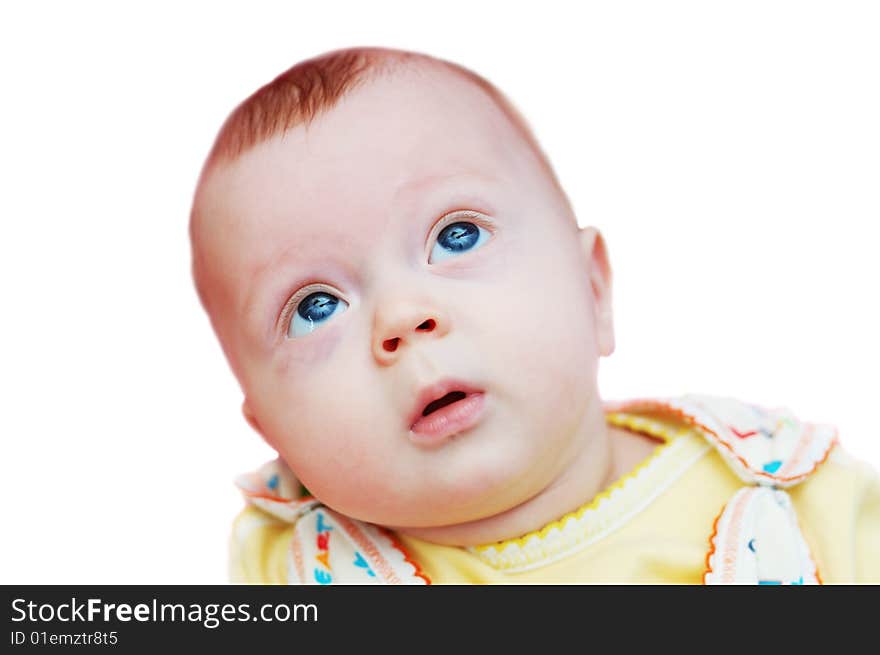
(436, 183)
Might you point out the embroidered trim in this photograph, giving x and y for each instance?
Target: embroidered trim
(607, 511)
(804, 446)
(418, 572)
(813, 443)
(711, 550)
(378, 546)
(295, 562)
(731, 520)
(329, 548)
(756, 540)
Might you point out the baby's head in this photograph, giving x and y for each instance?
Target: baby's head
(401, 289)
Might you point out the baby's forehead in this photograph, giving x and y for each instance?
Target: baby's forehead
(419, 118)
(391, 129)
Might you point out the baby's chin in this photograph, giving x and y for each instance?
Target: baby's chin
(441, 505)
(406, 510)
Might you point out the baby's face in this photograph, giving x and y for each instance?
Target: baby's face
(407, 247)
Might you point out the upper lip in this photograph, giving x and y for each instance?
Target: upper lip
(436, 391)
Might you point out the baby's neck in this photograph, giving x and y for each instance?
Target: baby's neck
(608, 454)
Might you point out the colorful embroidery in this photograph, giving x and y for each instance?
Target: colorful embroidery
(326, 547)
(772, 467)
(362, 563)
(323, 574)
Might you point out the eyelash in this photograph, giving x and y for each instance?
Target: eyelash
(455, 217)
(448, 219)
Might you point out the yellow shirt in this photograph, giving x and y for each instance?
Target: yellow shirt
(652, 526)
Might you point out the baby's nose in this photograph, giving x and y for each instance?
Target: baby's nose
(400, 324)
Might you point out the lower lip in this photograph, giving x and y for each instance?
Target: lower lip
(450, 420)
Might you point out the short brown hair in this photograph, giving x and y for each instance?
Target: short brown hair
(315, 85)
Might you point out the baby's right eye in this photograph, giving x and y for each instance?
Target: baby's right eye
(314, 310)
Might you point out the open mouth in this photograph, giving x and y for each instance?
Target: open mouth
(447, 408)
(448, 399)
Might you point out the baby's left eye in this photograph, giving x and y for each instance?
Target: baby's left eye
(456, 239)
(313, 311)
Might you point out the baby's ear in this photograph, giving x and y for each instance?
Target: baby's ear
(596, 256)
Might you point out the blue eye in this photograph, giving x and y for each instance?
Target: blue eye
(456, 239)
(313, 310)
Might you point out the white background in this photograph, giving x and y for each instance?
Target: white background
(730, 152)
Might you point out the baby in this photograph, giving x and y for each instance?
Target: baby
(415, 318)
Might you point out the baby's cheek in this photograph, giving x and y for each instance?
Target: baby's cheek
(318, 399)
(299, 382)
(552, 344)
(335, 457)
(301, 355)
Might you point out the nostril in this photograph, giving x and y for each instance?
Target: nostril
(391, 345)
